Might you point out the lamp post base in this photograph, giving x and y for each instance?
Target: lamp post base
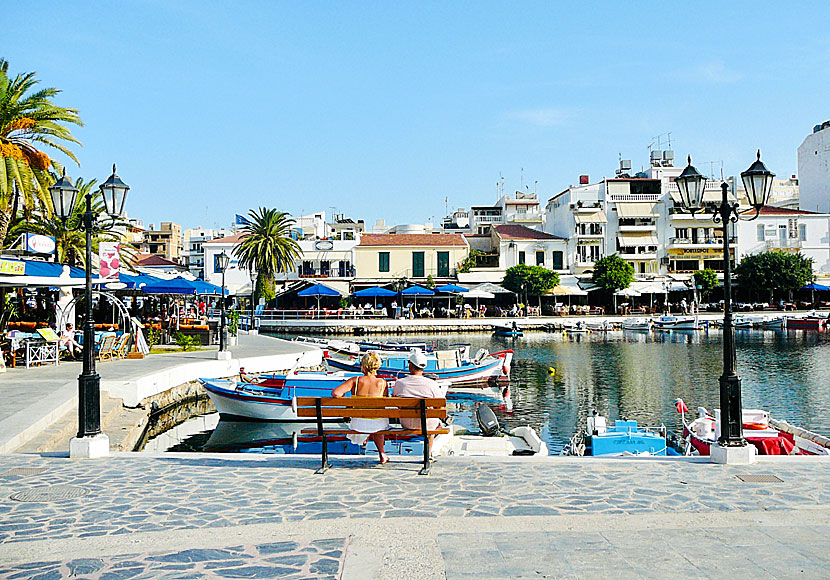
(732, 455)
(223, 355)
(89, 447)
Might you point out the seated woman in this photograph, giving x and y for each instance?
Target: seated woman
(369, 385)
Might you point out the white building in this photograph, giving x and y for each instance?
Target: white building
(578, 214)
(311, 227)
(522, 209)
(327, 259)
(193, 256)
(237, 280)
(814, 169)
(788, 230)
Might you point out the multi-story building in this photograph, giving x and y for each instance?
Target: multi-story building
(814, 169)
(326, 259)
(578, 214)
(346, 229)
(788, 230)
(165, 241)
(311, 227)
(237, 280)
(484, 216)
(193, 255)
(522, 209)
(383, 258)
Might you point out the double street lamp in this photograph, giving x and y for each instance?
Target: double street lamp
(757, 182)
(223, 261)
(90, 441)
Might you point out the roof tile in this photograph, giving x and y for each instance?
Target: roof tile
(518, 232)
(429, 240)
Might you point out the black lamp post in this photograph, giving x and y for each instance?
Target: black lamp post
(89, 441)
(758, 184)
(223, 261)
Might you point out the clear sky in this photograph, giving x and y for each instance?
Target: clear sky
(384, 110)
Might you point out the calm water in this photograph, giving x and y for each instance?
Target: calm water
(637, 375)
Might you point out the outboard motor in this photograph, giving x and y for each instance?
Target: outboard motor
(487, 422)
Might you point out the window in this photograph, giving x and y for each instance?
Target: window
(521, 257)
(540, 258)
(558, 259)
(383, 261)
(759, 230)
(802, 232)
(443, 264)
(681, 233)
(325, 268)
(216, 269)
(418, 264)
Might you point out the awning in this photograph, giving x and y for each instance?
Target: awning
(597, 217)
(709, 196)
(633, 240)
(637, 210)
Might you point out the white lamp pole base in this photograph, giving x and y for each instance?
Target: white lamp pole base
(743, 455)
(89, 447)
(223, 355)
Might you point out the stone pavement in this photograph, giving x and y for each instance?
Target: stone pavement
(131, 515)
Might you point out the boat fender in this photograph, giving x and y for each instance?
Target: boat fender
(294, 405)
(505, 392)
(487, 421)
(552, 371)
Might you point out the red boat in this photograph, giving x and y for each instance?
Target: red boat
(807, 323)
(770, 437)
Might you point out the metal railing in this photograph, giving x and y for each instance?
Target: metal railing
(701, 241)
(781, 244)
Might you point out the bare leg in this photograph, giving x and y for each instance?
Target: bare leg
(378, 440)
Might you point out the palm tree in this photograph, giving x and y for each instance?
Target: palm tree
(266, 246)
(29, 120)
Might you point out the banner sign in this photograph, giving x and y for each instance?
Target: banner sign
(695, 253)
(39, 244)
(12, 267)
(110, 262)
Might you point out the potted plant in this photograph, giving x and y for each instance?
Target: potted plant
(233, 327)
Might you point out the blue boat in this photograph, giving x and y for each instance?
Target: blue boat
(621, 438)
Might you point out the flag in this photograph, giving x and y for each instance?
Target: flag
(681, 406)
(241, 220)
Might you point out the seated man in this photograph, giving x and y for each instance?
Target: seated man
(418, 386)
(67, 339)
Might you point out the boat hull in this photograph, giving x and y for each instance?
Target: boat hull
(470, 372)
(231, 402)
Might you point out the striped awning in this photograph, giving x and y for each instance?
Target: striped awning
(597, 217)
(636, 210)
(633, 240)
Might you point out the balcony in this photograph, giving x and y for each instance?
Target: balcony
(638, 227)
(488, 219)
(788, 244)
(639, 257)
(326, 273)
(702, 241)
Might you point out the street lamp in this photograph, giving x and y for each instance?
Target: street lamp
(758, 184)
(223, 261)
(90, 441)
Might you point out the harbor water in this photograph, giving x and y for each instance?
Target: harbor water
(557, 379)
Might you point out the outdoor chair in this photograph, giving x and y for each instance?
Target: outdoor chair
(105, 350)
(121, 346)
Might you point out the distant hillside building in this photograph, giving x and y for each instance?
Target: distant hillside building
(165, 241)
(814, 170)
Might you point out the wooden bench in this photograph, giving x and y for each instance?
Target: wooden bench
(328, 408)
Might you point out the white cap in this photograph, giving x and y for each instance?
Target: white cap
(418, 359)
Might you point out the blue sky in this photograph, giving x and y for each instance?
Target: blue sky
(384, 110)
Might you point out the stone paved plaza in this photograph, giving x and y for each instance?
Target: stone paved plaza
(186, 516)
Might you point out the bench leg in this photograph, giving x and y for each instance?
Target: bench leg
(425, 469)
(325, 457)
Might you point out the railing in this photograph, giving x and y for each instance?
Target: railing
(781, 244)
(488, 219)
(701, 241)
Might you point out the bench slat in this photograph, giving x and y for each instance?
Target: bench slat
(371, 402)
(371, 413)
(384, 432)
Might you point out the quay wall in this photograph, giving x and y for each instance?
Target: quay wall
(430, 325)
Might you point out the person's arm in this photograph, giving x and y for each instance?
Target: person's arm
(343, 388)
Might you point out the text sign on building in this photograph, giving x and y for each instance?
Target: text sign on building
(38, 244)
(12, 267)
(695, 253)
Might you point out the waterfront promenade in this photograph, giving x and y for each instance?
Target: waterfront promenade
(241, 516)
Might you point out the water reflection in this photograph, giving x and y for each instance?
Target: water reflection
(638, 375)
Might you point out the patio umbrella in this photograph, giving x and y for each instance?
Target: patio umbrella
(417, 291)
(208, 288)
(478, 293)
(375, 291)
(812, 287)
(174, 286)
(451, 289)
(318, 291)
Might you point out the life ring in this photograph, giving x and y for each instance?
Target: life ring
(752, 426)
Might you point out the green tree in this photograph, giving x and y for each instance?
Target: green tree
(430, 283)
(266, 246)
(530, 280)
(774, 272)
(470, 261)
(706, 280)
(612, 273)
(29, 121)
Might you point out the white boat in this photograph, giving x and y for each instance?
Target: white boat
(599, 325)
(458, 443)
(636, 324)
(773, 322)
(678, 323)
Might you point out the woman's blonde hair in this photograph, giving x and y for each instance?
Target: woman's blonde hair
(370, 363)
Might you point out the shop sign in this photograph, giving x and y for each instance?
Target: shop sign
(12, 267)
(324, 245)
(39, 244)
(695, 253)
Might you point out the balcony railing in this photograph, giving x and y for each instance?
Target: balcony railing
(703, 241)
(330, 273)
(783, 244)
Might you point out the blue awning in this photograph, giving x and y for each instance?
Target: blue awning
(417, 291)
(318, 290)
(375, 291)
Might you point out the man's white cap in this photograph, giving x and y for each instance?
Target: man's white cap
(418, 359)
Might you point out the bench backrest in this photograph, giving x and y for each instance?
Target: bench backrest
(372, 407)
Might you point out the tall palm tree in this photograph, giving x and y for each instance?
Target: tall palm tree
(267, 247)
(29, 121)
